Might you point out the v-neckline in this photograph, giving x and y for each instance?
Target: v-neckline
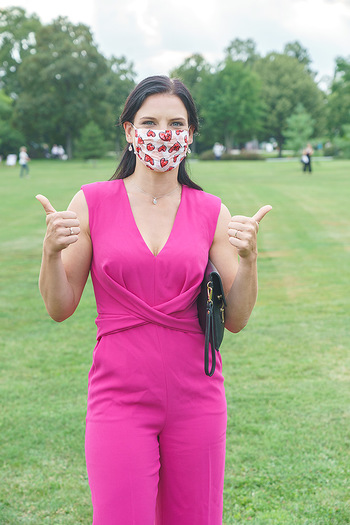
(138, 230)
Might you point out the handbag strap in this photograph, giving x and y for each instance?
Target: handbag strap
(209, 338)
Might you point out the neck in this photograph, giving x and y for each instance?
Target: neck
(153, 182)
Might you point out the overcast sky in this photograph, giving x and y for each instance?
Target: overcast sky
(158, 35)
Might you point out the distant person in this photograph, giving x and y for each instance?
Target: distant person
(60, 152)
(156, 423)
(11, 159)
(23, 162)
(55, 152)
(46, 151)
(218, 150)
(306, 158)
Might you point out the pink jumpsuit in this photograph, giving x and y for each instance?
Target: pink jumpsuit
(156, 424)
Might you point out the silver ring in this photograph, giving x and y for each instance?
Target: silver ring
(236, 233)
(71, 231)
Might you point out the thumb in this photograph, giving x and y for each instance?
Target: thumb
(46, 204)
(261, 213)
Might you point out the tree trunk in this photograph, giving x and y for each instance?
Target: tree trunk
(280, 143)
(228, 142)
(69, 148)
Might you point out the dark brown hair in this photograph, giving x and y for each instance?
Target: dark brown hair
(153, 86)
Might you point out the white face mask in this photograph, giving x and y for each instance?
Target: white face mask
(160, 150)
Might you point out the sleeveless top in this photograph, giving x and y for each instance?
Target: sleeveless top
(133, 286)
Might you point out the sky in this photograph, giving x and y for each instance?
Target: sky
(157, 35)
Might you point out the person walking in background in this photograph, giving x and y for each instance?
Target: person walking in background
(23, 161)
(156, 423)
(306, 158)
(218, 150)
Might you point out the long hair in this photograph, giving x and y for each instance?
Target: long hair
(152, 86)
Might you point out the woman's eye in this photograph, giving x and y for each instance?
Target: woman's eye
(148, 123)
(178, 124)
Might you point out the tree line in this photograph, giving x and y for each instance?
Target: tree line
(57, 87)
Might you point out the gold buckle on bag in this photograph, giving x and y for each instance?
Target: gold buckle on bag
(210, 292)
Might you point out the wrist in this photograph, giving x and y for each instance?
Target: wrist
(50, 254)
(250, 260)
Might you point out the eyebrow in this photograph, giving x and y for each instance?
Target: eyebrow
(172, 120)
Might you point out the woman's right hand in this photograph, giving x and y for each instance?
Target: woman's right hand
(63, 227)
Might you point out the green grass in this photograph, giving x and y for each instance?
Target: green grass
(287, 373)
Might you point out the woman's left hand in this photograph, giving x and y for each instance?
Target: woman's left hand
(242, 232)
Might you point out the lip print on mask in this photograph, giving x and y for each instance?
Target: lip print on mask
(161, 150)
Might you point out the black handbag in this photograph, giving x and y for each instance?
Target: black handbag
(211, 312)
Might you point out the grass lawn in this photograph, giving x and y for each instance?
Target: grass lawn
(287, 373)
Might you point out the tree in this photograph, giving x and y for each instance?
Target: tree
(242, 51)
(192, 71)
(17, 41)
(285, 84)
(232, 107)
(10, 138)
(296, 50)
(91, 144)
(299, 129)
(342, 142)
(338, 108)
(61, 92)
(116, 85)
(195, 72)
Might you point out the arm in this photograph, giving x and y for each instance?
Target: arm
(66, 258)
(234, 253)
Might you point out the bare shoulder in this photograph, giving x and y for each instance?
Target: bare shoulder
(223, 220)
(79, 205)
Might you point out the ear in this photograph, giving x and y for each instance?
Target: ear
(190, 134)
(129, 131)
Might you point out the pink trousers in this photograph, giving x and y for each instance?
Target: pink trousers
(155, 432)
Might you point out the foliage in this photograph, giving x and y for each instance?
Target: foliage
(191, 72)
(17, 41)
(338, 108)
(342, 142)
(10, 138)
(91, 143)
(242, 51)
(299, 129)
(60, 81)
(61, 89)
(231, 103)
(285, 84)
(115, 85)
(296, 50)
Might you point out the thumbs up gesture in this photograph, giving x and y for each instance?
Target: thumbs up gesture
(242, 232)
(62, 227)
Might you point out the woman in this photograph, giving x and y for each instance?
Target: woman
(156, 424)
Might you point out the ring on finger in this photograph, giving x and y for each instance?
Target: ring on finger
(71, 231)
(236, 234)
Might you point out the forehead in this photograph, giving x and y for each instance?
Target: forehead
(162, 105)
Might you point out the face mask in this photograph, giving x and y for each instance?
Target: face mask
(160, 150)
